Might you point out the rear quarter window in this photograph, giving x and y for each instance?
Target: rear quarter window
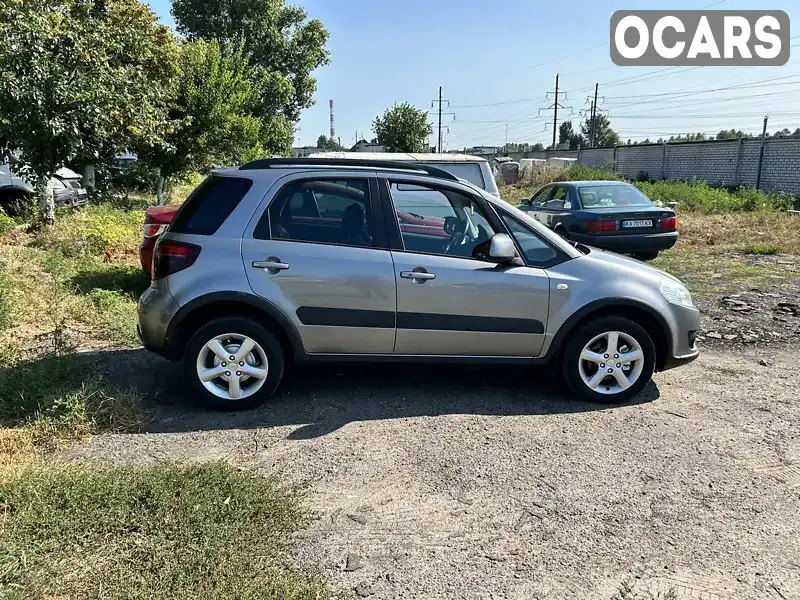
(209, 205)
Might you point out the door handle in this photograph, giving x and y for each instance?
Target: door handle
(417, 275)
(270, 265)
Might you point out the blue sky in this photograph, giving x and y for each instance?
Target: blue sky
(496, 64)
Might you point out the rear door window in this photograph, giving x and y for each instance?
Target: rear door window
(330, 211)
(209, 205)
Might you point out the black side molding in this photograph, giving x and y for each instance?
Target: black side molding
(345, 317)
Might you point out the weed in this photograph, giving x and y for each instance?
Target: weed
(760, 249)
(626, 591)
(6, 222)
(207, 531)
(6, 318)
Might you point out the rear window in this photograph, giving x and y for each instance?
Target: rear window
(209, 205)
(612, 196)
(465, 170)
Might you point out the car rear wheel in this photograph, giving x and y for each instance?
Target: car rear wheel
(609, 360)
(646, 255)
(234, 363)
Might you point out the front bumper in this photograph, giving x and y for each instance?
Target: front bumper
(640, 242)
(684, 324)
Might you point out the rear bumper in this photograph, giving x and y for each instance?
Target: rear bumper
(639, 242)
(156, 309)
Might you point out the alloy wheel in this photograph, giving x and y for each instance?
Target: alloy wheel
(232, 366)
(611, 362)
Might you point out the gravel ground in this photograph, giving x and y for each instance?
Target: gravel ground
(469, 483)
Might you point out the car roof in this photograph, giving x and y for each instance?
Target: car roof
(597, 182)
(401, 156)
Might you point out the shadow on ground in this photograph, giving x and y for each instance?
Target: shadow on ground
(320, 400)
(128, 280)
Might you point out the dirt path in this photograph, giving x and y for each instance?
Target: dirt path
(477, 484)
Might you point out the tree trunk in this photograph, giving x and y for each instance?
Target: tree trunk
(44, 193)
(161, 190)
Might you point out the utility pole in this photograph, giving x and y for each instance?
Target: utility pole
(505, 149)
(593, 126)
(440, 120)
(554, 107)
(761, 153)
(440, 101)
(555, 115)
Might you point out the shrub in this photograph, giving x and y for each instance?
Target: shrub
(95, 230)
(584, 173)
(6, 222)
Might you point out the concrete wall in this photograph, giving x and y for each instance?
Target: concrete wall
(728, 163)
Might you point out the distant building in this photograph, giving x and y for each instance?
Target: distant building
(365, 146)
(483, 150)
(305, 151)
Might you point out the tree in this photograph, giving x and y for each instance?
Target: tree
(210, 115)
(602, 134)
(730, 134)
(285, 47)
(692, 137)
(80, 79)
(567, 135)
(402, 128)
(327, 143)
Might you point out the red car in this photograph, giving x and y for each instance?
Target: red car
(158, 218)
(156, 221)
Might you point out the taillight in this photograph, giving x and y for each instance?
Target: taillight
(171, 256)
(668, 223)
(602, 225)
(154, 229)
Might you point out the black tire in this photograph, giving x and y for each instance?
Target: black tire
(241, 326)
(582, 336)
(646, 255)
(562, 232)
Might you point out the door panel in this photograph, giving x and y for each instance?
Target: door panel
(470, 308)
(342, 299)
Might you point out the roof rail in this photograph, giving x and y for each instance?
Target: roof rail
(394, 165)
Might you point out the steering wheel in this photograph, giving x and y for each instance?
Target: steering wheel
(459, 234)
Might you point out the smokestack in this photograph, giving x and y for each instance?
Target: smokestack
(333, 129)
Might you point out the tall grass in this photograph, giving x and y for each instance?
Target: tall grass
(169, 532)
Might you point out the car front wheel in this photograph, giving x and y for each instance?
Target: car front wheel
(234, 363)
(609, 360)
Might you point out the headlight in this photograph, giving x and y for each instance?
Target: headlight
(676, 293)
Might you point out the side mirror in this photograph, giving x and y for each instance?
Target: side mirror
(501, 248)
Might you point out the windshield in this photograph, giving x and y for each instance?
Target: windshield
(465, 170)
(613, 196)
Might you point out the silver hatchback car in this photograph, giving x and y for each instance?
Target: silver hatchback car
(293, 260)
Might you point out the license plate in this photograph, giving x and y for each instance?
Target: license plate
(627, 224)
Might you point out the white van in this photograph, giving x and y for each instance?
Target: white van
(474, 169)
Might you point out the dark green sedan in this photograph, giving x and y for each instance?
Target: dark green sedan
(612, 215)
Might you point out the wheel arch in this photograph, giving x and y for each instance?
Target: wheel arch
(639, 312)
(191, 316)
